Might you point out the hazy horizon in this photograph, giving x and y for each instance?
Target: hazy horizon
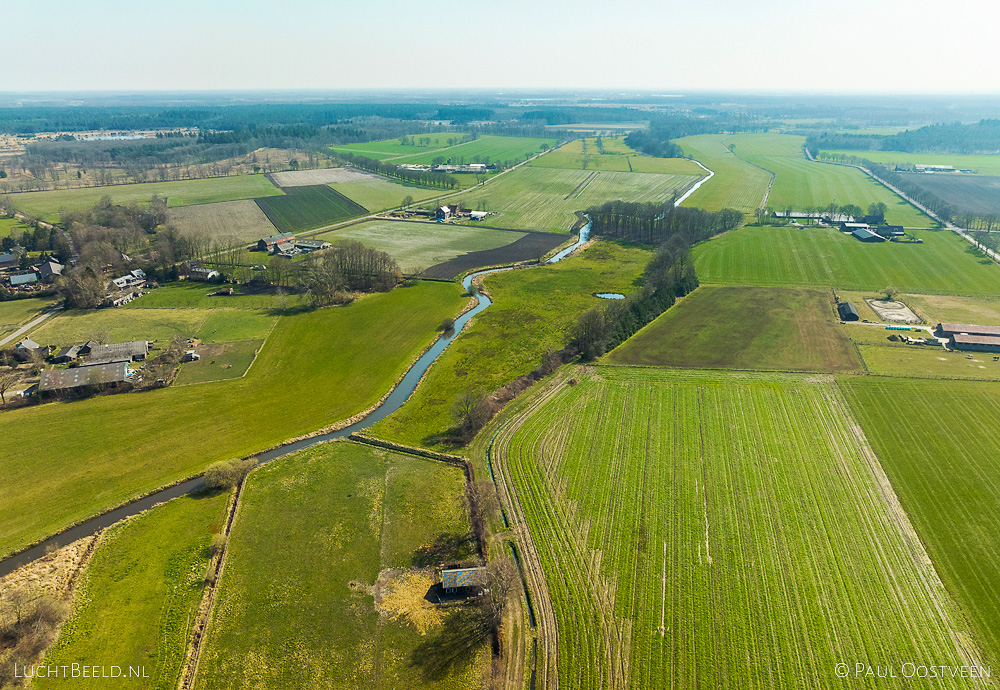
(776, 46)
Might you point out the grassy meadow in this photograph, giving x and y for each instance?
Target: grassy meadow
(703, 530)
(736, 184)
(485, 149)
(316, 368)
(531, 311)
(823, 257)
(307, 207)
(391, 148)
(921, 361)
(583, 154)
(931, 437)
(774, 329)
(379, 195)
(139, 594)
(195, 294)
(800, 184)
(546, 199)
(295, 606)
(177, 193)
(980, 165)
(16, 313)
(9, 225)
(219, 361)
(417, 246)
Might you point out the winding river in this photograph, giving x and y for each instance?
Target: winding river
(403, 390)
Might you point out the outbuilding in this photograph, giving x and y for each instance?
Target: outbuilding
(83, 380)
(847, 312)
(949, 329)
(468, 581)
(867, 235)
(266, 243)
(978, 343)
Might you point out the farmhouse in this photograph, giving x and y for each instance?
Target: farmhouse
(286, 249)
(847, 312)
(949, 329)
(266, 243)
(25, 348)
(866, 235)
(979, 343)
(468, 581)
(50, 269)
(443, 213)
(82, 380)
(890, 231)
(132, 350)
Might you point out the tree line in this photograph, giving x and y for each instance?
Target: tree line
(329, 276)
(650, 223)
(655, 140)
(420, 177)
(981, 137)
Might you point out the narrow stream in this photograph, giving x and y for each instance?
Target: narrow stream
(396, 398)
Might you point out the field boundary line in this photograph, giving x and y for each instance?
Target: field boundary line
(767, 192)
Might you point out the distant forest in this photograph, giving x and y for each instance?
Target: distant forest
(656, 139)
(982, 137)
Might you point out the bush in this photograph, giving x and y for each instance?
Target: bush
(228, 473)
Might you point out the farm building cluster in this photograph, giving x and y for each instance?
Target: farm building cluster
(288, 245)
(31, 278)
(873, 233)
(93, 366)
(964, 336)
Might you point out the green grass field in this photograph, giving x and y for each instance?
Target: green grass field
(114, 325)
(931, 437)
(16, 313)
(935, 309)
(219, 362)
(617, 157)
(921, 361)
(8, 225)
(177, 193)
(194, 294)
(719, 531)
(139, 593)
(391, 148)
(294, 607)
(744, 328)
(304, 208)
(736, 184)
(800, 184)
(378, 195)
(487, 149)
(238, 221)
(316, 368)
(824, 257)
(417, 246)
(546, 199)
(981, 165)
(531, 311)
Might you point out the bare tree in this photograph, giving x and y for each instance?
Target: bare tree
(9, 377)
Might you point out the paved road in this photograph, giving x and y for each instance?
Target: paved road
(31, 324)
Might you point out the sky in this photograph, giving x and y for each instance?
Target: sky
(863, 46)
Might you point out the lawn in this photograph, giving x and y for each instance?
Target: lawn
(773, 329)
(307, 207)
(981, 165)
(416, 246)
(824, 257)
(139, 594)
(546, 199)
(736, 184)
(583, 154)
(16, 313)
(933, 441)
(391, 148)
(7, 225)
(531, 311)
(119, 325)
(935, 309)
(177, 193)
(316, 368)
(800, 184)
(195, 294)
(379, 194)
(701, 530)
(295, 607)
(485, 149)
(235, 222)
(219, 361)
(924, 361)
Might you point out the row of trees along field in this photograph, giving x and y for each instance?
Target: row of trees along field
(655, 140)
(421, 177)
(670, 273)
(982, 137)
(329, 277)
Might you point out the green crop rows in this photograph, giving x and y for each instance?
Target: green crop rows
(303, 208)
(720, 531)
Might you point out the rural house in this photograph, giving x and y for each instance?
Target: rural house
(49, 270)
(267, 243)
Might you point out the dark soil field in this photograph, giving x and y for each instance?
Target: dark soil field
(774, 329)
(304, 208)
(531, 246)
(970, 193)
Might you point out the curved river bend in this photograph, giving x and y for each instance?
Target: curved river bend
(403, 390)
